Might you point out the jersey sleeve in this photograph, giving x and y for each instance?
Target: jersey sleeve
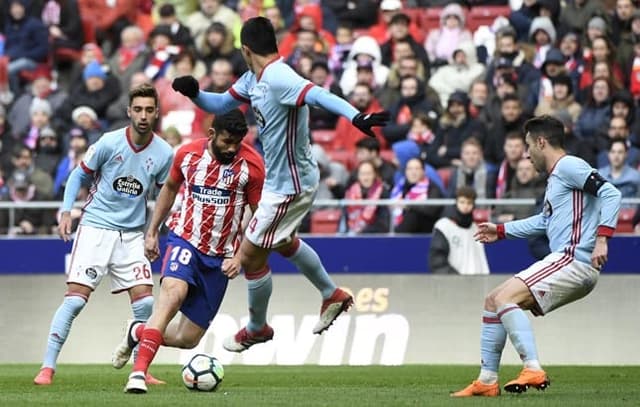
(97, 154)
(176, 171)
(240, 89)
(574, 172)
(256, 180)
(289, 87)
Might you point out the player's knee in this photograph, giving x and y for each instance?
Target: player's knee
(187, 341)
(142, 307)
(490, 302)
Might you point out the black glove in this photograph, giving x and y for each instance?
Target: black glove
(364, 121)
(187, 85)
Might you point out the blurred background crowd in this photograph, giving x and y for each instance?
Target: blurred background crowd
(459, 78)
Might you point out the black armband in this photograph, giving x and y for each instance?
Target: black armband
(593, 183)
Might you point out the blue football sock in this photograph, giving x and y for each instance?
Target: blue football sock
(518, 327)
(492, 339)
(60, 326)
(142, 309)
(308, 262)
(259, 293)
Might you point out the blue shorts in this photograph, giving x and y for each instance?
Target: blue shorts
(207, 283)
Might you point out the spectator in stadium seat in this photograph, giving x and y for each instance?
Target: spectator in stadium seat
(365, 49)
(513, 152)
(359, 219)
(358, 13)
(7, 143)
(576, 14)
(306, 44)
(333, 175)
(572, 143)
(602, 52)
(22, 160)
(492, 112)
(542, 89)
(180, 33)
(26, 42)
(453, 248)
(404, 64)
(130, 57)
(415, 186)
(388, 9)
(399, 30)
(512, 119)
(594, 116)
(211, 11)
(321, 76)
(161, 52)
(309, 17)
(618, 129)
(27, 221)
(455, 126)
(412, 101)
(274, 15)
(459, 74)
(527, 184)
(562, 99)
(473, 171)
(442, 42)
(542, 34)
(48, 151)
(39, 118)
(41, 88)
(218, 44)
(185, 63)
(368, 149)
(85, 118)
(510, 55)
(78, 144)
(97, 91)
(90, 52)
(618, 172)
(62, 19)
(478, 99)
(347, 136)
(574, 60)
(110, 18)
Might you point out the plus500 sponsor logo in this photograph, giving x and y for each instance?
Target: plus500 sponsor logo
(366, 335)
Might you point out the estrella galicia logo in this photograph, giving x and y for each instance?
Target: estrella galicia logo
(547, 209)
(91, 273)
(259, 117)
(128, 186)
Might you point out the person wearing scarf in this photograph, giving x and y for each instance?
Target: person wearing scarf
(453, 248)
(367, 218)
(415, 185)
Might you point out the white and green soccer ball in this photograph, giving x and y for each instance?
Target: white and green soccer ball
(203, 373)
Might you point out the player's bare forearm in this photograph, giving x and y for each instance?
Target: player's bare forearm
(600, 252)
(164, 202)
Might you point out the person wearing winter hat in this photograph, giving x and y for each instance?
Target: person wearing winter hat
(93, 70)
(543, 34)
(542, 89)
(40, 113)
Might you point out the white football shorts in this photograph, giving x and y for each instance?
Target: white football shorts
(558, 279)
(278, 217)
(97, 252)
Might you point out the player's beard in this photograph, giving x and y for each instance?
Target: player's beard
(145, 131)
(224, 158)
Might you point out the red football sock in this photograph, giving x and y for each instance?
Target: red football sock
(138, 331)
(150, 341)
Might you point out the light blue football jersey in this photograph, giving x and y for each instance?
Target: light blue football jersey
(276, 96)
(571, 217)
(123, 174)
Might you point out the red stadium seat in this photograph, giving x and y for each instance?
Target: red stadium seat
(324, 138)
(481, 215)
(484, 15)
(625, 220)
(325, 221)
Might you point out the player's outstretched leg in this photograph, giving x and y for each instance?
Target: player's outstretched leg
(257, 331)
(335, 301)
(492, 341)
(58, 332)
(142, 306)
(518, 327)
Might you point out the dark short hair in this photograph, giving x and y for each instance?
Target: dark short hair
(548, 127)
(621, 140)
(368, 143)
(511, 97)
(146, 90)
(232, 122)
(466, 192)
(167, 10)
(400, 18)
(259, 36)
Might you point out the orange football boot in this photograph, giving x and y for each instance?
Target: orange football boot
(528, 378)
(477, 388)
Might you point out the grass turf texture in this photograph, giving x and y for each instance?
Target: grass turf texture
(412, 385)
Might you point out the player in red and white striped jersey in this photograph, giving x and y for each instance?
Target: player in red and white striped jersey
(221, 176)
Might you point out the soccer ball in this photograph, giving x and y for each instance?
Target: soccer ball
(203, 373)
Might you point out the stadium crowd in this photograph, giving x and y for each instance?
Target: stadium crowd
(459, 79)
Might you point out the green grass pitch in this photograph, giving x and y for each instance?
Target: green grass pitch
(411, 385)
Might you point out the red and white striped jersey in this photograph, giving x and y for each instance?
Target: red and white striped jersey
(215, 195)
